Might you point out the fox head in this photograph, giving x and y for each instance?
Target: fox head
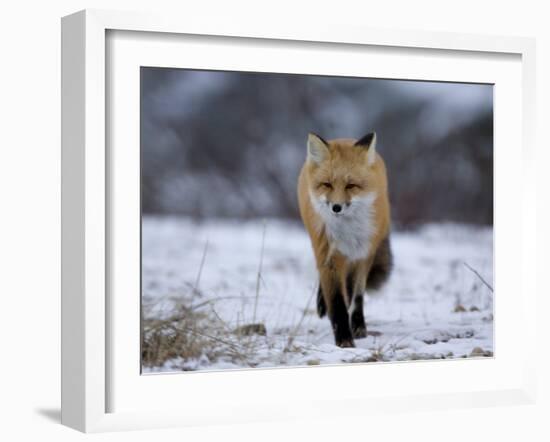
(343, 175)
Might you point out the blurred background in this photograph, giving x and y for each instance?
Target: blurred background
(231, 144)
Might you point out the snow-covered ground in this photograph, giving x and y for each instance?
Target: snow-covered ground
(434, 305)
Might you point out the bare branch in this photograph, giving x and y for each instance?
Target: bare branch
(198, 280)
(479, 276)
(259, 278)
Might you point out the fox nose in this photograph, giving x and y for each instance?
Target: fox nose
(336, 208)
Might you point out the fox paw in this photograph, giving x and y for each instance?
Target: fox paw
(345, 343)
(359, 332)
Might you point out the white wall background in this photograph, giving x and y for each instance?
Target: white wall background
(30, 219)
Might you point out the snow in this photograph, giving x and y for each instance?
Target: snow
(433, 307)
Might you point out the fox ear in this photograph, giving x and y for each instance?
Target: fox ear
(369, 142)
(317, 148)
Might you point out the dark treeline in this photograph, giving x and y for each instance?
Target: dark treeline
(220, 144)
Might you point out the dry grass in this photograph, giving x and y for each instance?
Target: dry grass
(165, 339)
(190, 336)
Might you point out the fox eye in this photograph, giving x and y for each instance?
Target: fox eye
(326, 185)
(351, 186)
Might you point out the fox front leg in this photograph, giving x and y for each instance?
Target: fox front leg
(321, 304)
(356, 286)
(336, 310)
(358, 327)
(357, 319)
(339, 318)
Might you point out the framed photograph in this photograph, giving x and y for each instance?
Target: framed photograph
(276, 222)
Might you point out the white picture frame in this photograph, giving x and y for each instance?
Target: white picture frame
(87, 204)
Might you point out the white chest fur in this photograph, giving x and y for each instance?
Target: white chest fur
(351, 231)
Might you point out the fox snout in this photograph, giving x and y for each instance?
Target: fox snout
(338, 208)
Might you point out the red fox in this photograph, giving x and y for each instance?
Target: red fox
(343, 198)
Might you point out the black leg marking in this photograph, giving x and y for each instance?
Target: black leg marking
(340, 322)
(358, 326)
(321, 305)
